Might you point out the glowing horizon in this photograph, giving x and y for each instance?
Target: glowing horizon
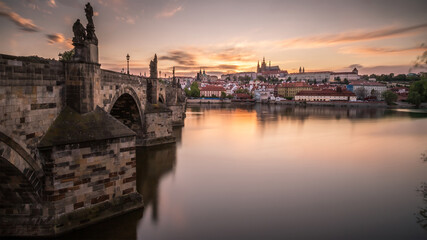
(226, 36)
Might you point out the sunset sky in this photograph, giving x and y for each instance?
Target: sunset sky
(221, 36)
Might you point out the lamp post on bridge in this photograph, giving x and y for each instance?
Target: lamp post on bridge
(127, 58)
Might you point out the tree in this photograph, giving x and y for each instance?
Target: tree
(213, 96)
(261, 78)
(418, 92)
(374, 93)
(194, 90)
(360, 92)
(421, 61)
(346, 82)
(66, 56)
(414, 98)
(242, 91)
(389, 97)
(223, 95)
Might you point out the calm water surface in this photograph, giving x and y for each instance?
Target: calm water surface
(280, 172)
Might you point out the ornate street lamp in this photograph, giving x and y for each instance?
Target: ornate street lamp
(127, 58)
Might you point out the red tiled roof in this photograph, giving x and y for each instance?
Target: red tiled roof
(296, 84)
(213, 88)
(309, 73)
(242, 95)
(325, 92)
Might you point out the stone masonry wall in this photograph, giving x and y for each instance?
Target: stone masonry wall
(81, 176)
(178, 114)
(112, 85)
(31, 96)
(158, 128)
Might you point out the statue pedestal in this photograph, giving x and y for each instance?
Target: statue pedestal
(86, 52)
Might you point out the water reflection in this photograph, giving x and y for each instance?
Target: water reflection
(422, 215)
(153, 164)
(281, 172)
(273, 112)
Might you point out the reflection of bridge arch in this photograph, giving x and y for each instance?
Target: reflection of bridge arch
(126, 107)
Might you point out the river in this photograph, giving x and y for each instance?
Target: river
(280, 172)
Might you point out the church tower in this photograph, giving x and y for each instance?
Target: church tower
(263, 65)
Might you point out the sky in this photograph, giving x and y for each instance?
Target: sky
(224, 36)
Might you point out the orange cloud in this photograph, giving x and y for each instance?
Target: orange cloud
(381, 50)
(24, 23)
(354, 36)
(167, 13)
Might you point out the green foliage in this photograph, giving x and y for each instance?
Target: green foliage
(389, 97)
(242, 91)
(244, 79)
(398, 78)
(223, 95)
(213, 96)
(261, 78)
(66, 56)
(346, 82)
(415, 98)
(193, 91)
(418, 92)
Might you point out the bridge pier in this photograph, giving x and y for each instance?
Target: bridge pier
(68, 133)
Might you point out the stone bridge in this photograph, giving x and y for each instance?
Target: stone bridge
(68, 132)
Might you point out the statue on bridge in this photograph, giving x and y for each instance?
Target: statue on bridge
(90, 27)
(153, 67)
(79, 32)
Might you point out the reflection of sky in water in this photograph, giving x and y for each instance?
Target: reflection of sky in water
(278, 172)
(294, 173)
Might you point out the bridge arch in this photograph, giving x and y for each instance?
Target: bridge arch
(161, 98)
(17, 163)
(126, 107)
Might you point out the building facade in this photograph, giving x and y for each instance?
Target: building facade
(365, 89)
(325, 96)
(212, 91)
(289, 90)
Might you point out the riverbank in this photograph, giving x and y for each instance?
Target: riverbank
(330, 104)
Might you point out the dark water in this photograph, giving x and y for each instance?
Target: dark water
(279, 172)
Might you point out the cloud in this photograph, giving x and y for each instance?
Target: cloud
(60, 39)
(167, 13)
(55, 38)
(24, 23)
(180, 57)
(355, 66)
(354, 36)
(382, 50)
(235, 54)
(51, 3)
(127, 19)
